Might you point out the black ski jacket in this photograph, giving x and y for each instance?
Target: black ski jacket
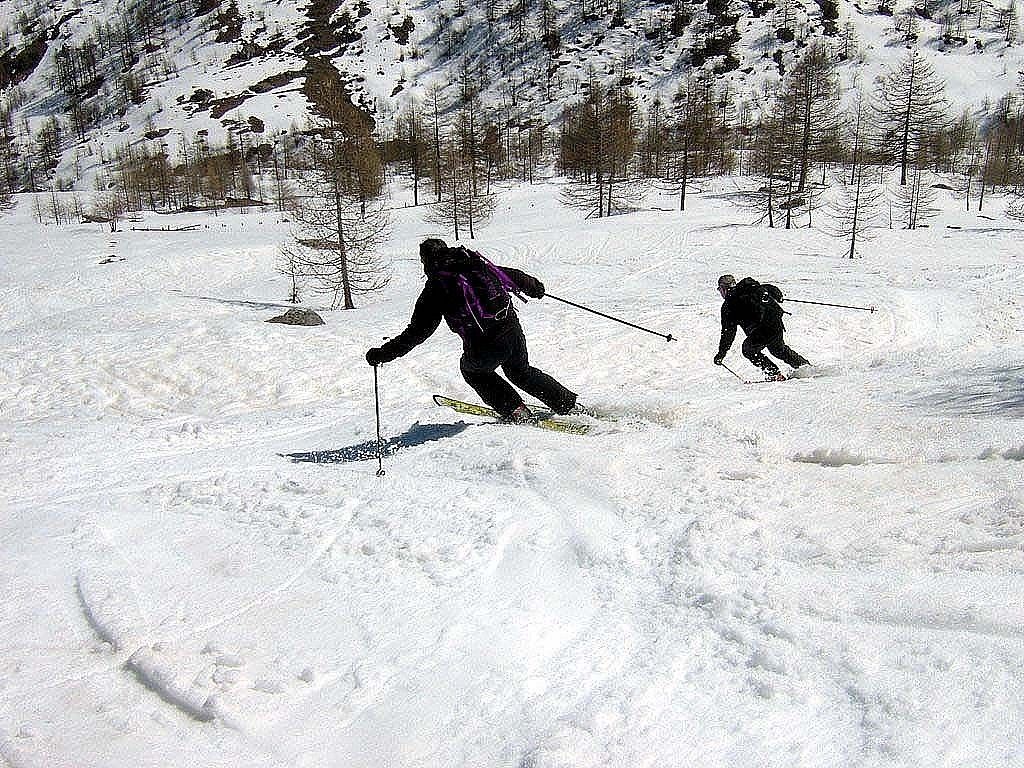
(752, 306)
(439, 301)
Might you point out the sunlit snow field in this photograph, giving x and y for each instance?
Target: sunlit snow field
(823, 572)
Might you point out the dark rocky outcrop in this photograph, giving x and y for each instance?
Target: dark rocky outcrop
(298, 317)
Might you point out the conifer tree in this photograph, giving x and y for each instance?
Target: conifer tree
(909, 107)
(289, 264)
(465, 204)
(284, 190)
(433, 104)
(701, 133)
(341, 219)
(6, 198)
(685, 126)
(597, 148)
(772, 161)
(916, 199)
(811, 99)
(414, 148)
(855, 209)
(848, 42)
(785, 19)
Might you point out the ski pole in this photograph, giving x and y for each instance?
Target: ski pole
(665, 336)
(826, 304)
(730, 370)
(380, 443)
(746, 381)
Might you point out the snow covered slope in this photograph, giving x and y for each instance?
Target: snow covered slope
(822, 572)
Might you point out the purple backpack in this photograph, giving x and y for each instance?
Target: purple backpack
(483, 291)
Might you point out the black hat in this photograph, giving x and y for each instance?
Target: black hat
(430, 247)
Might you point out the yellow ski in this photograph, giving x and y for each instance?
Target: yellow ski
(544, 420)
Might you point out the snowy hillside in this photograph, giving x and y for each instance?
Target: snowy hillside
(821, 572)
(114, 73)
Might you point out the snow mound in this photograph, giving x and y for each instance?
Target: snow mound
(1011, 454)
(832, 457)
(813, 371)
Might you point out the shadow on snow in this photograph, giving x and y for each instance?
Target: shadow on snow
(985, 392)
(417, 434)
(246, 303)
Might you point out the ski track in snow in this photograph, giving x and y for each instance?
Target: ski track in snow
(112, 608)
(822, 572)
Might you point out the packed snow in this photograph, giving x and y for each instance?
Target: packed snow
(201, 567)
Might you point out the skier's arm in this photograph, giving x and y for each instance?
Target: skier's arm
(528, 284)
(728, 333)
(425, 319)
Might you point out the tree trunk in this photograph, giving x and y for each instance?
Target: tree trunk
(984, 171)
(905, 149)
(686, 168)
(805, 145)
(346, 287)
(856, 212)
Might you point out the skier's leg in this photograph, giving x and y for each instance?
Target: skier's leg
(478, 369)
(752, 347)
(778, 348)
(533, 380)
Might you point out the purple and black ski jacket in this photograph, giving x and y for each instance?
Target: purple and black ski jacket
(445, 300)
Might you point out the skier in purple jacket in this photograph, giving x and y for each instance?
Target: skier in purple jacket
(474, 297)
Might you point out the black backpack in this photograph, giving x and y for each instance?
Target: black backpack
(482, 292)
(762, 299)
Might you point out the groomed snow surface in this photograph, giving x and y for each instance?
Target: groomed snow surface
(822, 572)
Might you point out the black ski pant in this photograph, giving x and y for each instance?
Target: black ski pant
(480, 361)
(770, 338)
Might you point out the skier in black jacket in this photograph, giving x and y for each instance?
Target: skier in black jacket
(754, 307)
(472, 296)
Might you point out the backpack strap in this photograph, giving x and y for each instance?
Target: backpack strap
(474, 306)
(507, 282)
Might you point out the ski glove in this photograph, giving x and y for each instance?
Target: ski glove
(719, 359)
(532, 287)
(374, 357)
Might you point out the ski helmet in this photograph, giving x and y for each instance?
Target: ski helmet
(726, 283)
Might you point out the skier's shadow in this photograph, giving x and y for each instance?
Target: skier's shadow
(417, 434)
